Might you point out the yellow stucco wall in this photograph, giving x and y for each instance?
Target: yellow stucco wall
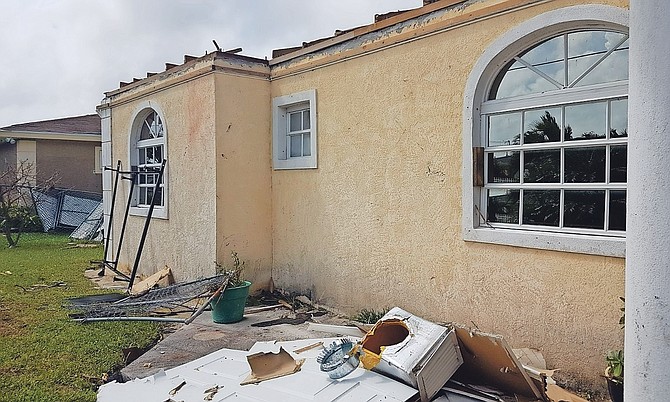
(243, 175)
(186, 241)
(379, 222)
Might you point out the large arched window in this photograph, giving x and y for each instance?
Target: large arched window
(147, 151)
(550, 141)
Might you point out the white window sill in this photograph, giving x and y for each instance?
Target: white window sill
(306, 162)
(159, 212)
(573, 243)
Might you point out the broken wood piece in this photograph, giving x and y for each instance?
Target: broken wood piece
(308, 347)
(209, 393)
(285, 304)
(148, 283)
(266, 366)
(252, 310)
(177, 388)
(336, 329)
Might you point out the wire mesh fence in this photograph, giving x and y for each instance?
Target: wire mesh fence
(154, 303)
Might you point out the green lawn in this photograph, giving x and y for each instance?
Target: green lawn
(43, 355)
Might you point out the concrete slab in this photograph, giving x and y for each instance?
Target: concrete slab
(203, 336)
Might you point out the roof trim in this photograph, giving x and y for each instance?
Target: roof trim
(402, 17)
(42, 135)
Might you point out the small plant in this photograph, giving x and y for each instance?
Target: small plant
(614, 370)
(370, 316)
(234, 274)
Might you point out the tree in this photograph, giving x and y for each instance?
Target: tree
(16, 203)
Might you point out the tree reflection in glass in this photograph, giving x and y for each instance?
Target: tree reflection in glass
(541, 126)
(503, 206)
(503, 167)
(585, 165)
(541, 207)
(584, 209)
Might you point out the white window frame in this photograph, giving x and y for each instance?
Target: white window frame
(97, 164)
(135, 144)
(282, 106)
(510, 44)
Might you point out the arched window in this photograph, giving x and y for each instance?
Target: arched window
(551, 141)
(148, 149)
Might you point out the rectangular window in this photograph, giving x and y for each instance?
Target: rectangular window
(148, 170)
(294, 135)
(559, 168)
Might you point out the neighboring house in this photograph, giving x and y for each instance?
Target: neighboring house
(67, 150)
(464, 160)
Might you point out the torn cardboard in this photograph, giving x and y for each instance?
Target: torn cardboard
(488, 360)
(266, 366)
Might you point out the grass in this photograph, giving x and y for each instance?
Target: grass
(43, 355)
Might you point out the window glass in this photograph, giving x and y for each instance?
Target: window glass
(503, 167)
(585, 165)
(617, 211)
(541, 207)
(504, 129)
(306, 147)
(305, 120)
(564, 161)
(503, 206)
(542, 166)
(295, 120)
(295, 145)
(619, 118)
(586, 121)
(542, 125)
(591, 57)
(584, 209)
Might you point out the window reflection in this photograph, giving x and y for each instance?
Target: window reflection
(542, 166)
(619, 118)
(541, 207)
(504, 129)
(583, 57)
(586, 121)
(585, 165)
(503, 167)
(584, 209)
(503, 206)
(541, 125)
(617, 219)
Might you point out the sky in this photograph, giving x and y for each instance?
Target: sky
(58, 57)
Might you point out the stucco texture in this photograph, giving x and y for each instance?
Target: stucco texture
(243, 175)
(379, 222)
(186, 241)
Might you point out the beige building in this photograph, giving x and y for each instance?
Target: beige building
(465, 161)
(66, 152)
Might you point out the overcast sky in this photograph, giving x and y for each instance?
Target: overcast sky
(57, 57)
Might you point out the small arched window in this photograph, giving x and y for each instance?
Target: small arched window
(147, 154)
(554, 132)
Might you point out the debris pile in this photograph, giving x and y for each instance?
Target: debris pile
(401, 358)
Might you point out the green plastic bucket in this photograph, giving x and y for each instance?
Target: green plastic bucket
(229, 307)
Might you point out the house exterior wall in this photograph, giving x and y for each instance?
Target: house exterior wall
(379, 222)
(243, 174)
(7, 156)
(186, 240)
(71, 162)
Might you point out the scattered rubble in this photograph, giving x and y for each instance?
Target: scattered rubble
(402, 358)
